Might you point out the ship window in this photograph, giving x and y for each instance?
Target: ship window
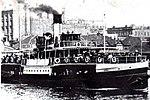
(48, 70)
(34, 70)
(29, 70)
(40, 70)
(37, 70)
(45, 70)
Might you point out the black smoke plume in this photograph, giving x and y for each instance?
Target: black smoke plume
(45, 8)
(20, 1)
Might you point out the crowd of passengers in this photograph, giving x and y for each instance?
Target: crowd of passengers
(13, 58)
(93, 57)
(90, 55)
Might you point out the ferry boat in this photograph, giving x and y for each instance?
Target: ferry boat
(65, 60)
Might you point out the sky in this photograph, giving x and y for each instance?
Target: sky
(117, 12)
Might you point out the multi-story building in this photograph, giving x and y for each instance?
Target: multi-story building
(7, 25)
(9, 30)
(121, 32)
(83, 26)
(41, 23)
(141, 32)
(19, 20)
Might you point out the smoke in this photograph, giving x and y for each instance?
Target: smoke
(45, 8)
(20, 1)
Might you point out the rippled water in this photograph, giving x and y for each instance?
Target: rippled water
(25, 92)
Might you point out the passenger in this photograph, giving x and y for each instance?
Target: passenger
(19, 59)
(15, 58)
(94, 55)
(80, 57)
(74, 55)
(7, 59)
(110, 56)
(76, 58)
(32, 56)
(136, 53)
(86, 54)
(3, 59)
(11, 59)
(25, 55)
(50, 61)
(139, 55)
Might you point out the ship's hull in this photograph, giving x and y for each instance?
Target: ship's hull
(124, 79)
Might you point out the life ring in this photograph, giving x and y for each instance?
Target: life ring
(76, 59)
(57, 60)
(18, 60)
(78, 44)
(99, 59)
(66, 59)
(87, 59)
(114, 59)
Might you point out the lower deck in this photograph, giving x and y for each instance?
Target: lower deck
(130, 79)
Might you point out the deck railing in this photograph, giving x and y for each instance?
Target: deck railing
(78, 43)
(87, 59)
(96, 59)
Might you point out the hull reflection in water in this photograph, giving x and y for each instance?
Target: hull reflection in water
(25, 92)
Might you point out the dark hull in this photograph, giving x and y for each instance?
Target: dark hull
(127, 79)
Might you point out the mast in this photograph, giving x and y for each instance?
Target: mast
(142, 39)
(104, 33)
(19, 28)
(25, 8)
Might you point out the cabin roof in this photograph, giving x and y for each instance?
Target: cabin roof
(99, 39)
(31, 38)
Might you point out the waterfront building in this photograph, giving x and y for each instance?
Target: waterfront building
(120, 32)
(142, 32)
(9, 30)
(82, 26)
(19, 20)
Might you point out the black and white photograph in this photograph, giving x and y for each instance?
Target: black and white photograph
(75, 49)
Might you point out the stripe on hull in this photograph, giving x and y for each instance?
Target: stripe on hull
(119, 67)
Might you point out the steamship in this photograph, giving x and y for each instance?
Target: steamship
(65, 60)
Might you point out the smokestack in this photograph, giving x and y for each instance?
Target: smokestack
(57, 18)
(57, 27)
